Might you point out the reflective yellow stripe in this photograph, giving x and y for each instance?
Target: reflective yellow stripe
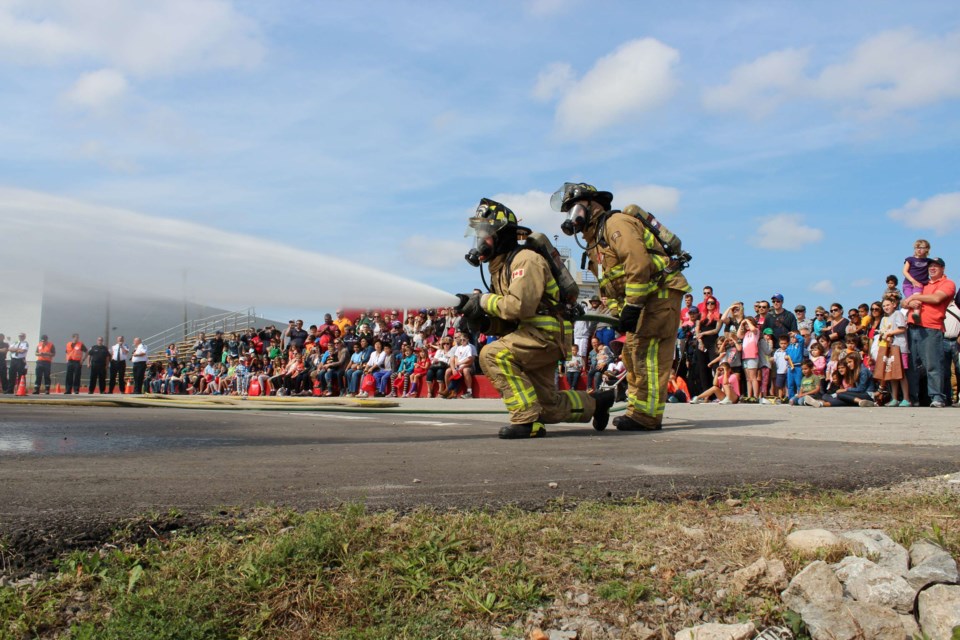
(553, 290)
(547, 323)
(635, 289)
(659, 262)
(491, 304)
(612, 274)
(521, 397)
(576, 404)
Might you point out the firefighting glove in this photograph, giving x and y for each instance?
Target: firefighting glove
(470, 306)
(629, 317)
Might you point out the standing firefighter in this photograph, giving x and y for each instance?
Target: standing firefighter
(644, 287)
(523, 308)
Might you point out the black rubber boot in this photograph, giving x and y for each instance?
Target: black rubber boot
(529, 430)
(626, 423)
(601, 415)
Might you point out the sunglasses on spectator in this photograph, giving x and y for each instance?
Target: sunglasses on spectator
(711, 304)
(835, 310)
(875, 309)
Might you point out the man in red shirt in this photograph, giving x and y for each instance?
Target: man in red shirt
(926, 339)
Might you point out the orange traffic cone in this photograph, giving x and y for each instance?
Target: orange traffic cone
(129, 387)
(22, 387)
(58, 389)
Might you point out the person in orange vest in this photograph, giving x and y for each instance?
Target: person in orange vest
(75, 352)
(45, 352)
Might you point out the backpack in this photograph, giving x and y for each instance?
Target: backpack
(568, 306)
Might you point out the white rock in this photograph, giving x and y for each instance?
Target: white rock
(816, 584)
(762, 574)
(851, 620)
(693, 532)
(552, 485)
(563, 635)
(939, 611)
(910, 627)
(889, 554)
(641, 631)
(810, 540)
(866, 581)
(715, 631)
(583, 599)
(930, 563)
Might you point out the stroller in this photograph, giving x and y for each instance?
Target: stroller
(616, 383)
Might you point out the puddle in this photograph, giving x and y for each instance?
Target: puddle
(14, 443)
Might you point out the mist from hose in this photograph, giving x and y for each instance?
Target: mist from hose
(120, 250)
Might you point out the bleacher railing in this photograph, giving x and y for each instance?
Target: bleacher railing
(226, 322)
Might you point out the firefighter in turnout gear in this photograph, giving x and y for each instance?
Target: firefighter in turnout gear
(534, 337)
(644, 288)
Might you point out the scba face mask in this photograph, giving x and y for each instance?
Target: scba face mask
(482, 229)
(576, 220)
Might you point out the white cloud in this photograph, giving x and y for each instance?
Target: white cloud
(895, 70)
(889, 72)
(533, 210)
(941, 213)
(655, 198)
(785, 232)
(138, 38)
(862, 283)
(759, 87)
(97, 90)
(823, 286)
(433, 253)
(96, 151)
(552, 81)
(637, 77)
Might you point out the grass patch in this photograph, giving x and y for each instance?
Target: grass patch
(353, 575)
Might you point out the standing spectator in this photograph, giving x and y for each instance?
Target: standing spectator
(685, 310)
(875, 316)
(18, 360)
(926, 337)
(783, 364)
(75, 354)
(45, 353)
(951, 350)
(201, 348)
(599, 358)
(4, 348)
(795, 354)
(97, 358)
(779, 319)
(574, 367)
(749, 337)
(803, 322)
(706, 331)
(820, 321)
(139, 358)
(298, 336)
(891, 289)
(707, 296)
(731, 319)
(836, 329)
(582, 332)
(342, 321)
(216, 347)
(893, 331)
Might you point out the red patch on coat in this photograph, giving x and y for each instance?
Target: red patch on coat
(517, 274)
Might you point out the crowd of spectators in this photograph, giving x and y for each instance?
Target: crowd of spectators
(900, 350)
(375, 354)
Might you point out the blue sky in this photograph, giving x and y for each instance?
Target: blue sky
(795, 147)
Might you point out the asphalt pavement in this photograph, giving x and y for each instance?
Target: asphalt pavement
(63, 462)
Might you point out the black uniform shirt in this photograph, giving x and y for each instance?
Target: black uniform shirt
(99, 354)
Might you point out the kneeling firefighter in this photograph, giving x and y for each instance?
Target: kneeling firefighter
(641, 276)
(523, 308)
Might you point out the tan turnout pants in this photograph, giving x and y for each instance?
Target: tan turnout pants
(648, 356)
(522, 366)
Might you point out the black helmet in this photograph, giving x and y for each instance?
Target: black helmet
(565, 197)
(490, 220)
(568, 200)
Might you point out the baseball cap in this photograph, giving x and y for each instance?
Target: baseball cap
(768, 331)
(939, 261)
(777, 296)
